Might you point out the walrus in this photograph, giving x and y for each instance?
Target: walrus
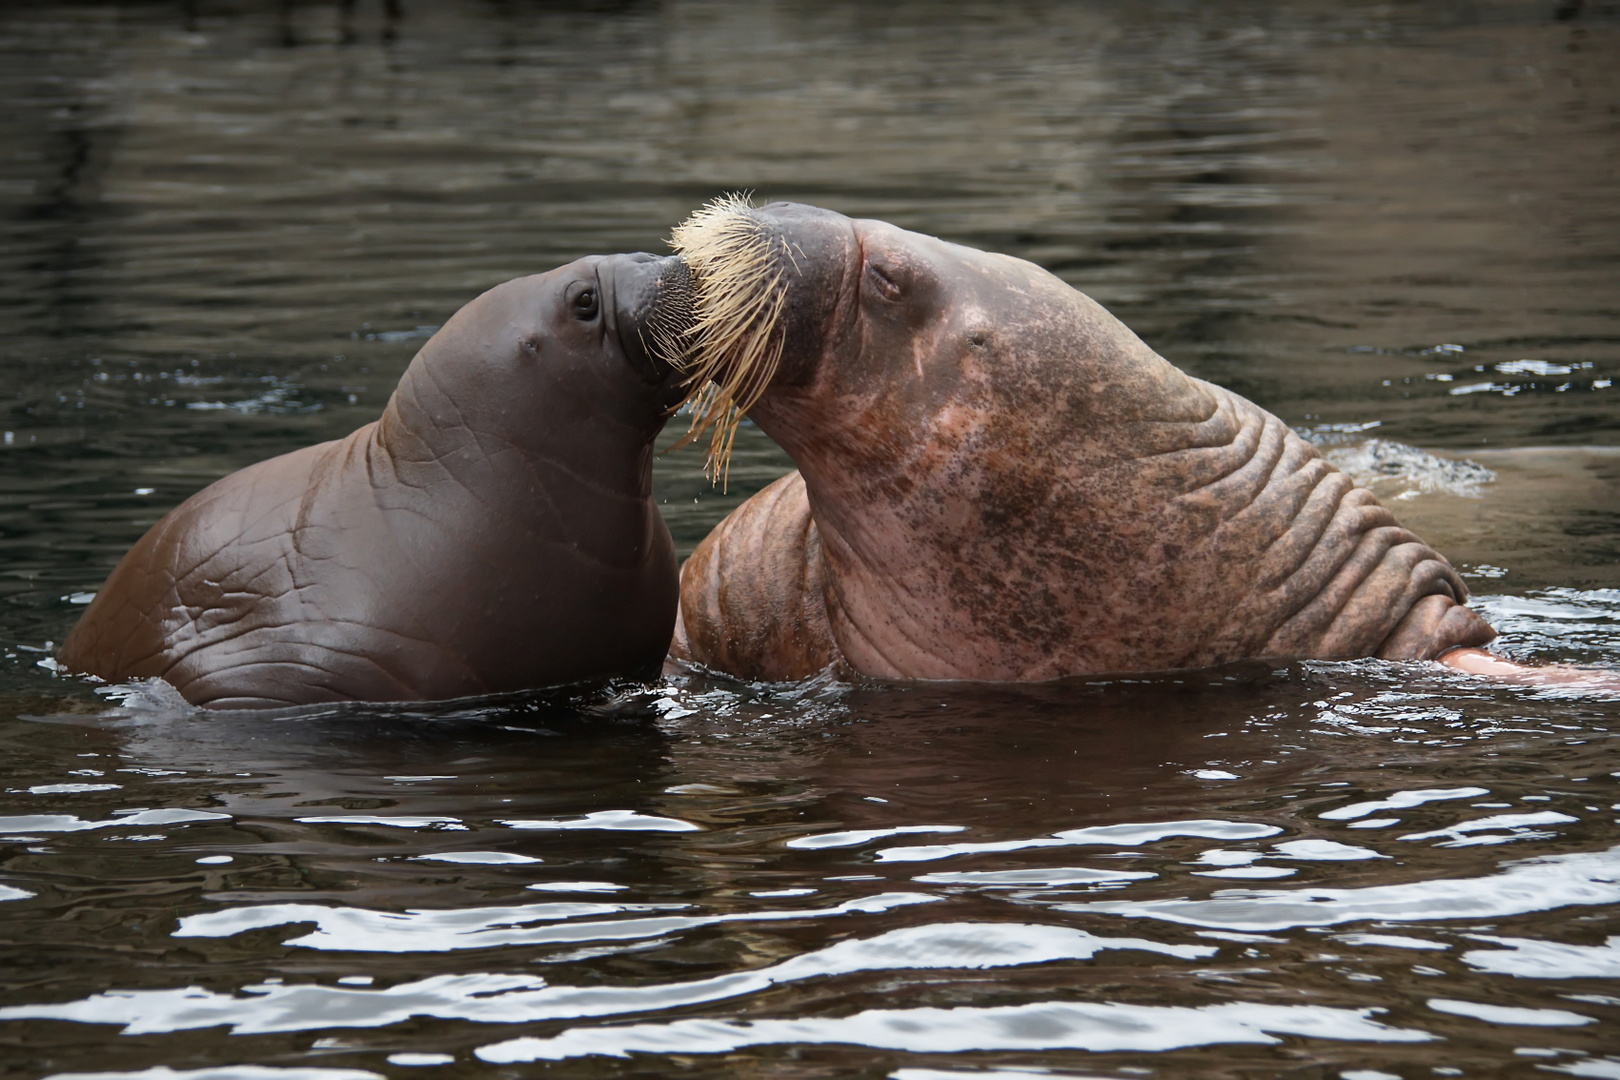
(997, 480)
(494, 531)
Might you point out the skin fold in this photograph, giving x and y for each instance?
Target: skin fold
(493, 531)
(997, 480)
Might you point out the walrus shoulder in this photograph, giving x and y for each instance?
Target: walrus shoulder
(216, 598)
(752, 593)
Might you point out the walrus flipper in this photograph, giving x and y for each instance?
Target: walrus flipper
(752, 599)
(1435, 625)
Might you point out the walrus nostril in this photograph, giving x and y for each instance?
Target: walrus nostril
(734, 341)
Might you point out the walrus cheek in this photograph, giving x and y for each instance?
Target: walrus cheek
(583, 364)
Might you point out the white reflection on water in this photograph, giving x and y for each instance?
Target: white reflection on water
(1517, 826)
(1322, 851)
(362, 930)
(1532, 959)
(1401, 800)
(1503, 1014)
(74, 823)
(1236, 864)
(856, 837)
(1588, 877)
(397, 821)
(580, 886)
(478, 858)
(1247, 872)
(1057, 877)
(515, 999)
(1012, 1073)
(1390, 941)
(1041, 1025)
(1127, 835)
(1597, 1068)
(618, 820)
(224, 1072)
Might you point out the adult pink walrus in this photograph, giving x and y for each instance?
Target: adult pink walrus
(999, 481)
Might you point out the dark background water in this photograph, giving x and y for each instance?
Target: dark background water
(225, 229)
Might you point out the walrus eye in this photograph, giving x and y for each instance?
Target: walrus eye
(884, 283)
(583, 304)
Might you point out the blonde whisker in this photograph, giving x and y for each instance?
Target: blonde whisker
(732, 345)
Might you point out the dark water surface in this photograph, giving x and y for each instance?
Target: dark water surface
(225, 232)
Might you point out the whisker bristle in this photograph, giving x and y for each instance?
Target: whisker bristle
(731, 344)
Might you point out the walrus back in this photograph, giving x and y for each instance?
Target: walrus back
(202, 599)
(1322, 568)
(322, 575)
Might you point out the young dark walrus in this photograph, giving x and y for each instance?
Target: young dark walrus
(494, 531)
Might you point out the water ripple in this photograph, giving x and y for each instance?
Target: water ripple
(1534, 885)
(516, 999)
(1505, 1014)
(361, 930)
(1532, 959)
(1401, 800)
(73, 823)
(226, 1072)
(617, 820)
(1122, 835)
(1102, 1027)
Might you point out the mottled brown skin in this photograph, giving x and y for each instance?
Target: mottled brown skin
(493, 531)
(999, 481)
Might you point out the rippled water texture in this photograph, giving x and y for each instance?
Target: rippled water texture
(226, 229)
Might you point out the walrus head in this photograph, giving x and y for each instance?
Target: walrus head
(794, 303)
(587, 332)
(744, 264)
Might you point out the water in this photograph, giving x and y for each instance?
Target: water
(227, 229)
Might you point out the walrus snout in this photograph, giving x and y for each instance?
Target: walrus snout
(759, 278)
(823, 257)
(651, 304)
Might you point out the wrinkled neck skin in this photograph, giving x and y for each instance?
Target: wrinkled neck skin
(555, 426)
(970, 430)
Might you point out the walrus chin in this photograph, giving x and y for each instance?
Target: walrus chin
(726, 333)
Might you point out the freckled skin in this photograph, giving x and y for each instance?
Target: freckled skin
(999, 481)
(493, 531)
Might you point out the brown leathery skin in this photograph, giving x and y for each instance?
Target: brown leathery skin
(493, 531)
(778, 539)
(1005, 483)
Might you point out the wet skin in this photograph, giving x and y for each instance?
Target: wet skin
(999, 481)
(493, 531)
